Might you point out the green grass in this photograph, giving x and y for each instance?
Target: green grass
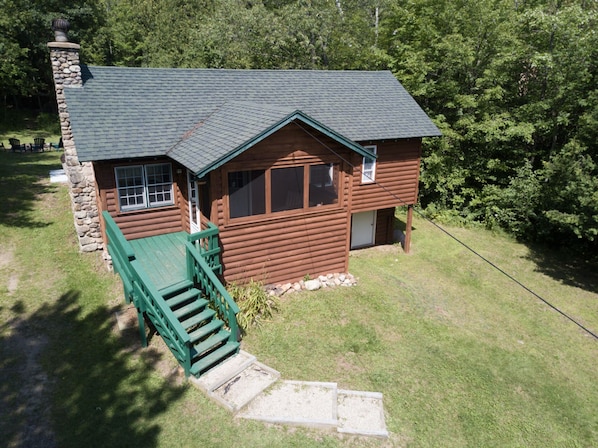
(26, 126)
(463, 356)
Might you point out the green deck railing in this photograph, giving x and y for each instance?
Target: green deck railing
(122, 254)
(200, 271)
(206, 242)
(147, 299)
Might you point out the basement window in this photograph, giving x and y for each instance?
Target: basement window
(144, 186)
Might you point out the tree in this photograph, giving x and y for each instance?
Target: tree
(26, 29)
(513, 88)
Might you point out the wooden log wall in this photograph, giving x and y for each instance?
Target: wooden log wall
(285, 246)
(149, 221)
(397, 170)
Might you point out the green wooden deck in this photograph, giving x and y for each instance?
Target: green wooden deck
(162, 258)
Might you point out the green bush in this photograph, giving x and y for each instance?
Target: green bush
(255, 304)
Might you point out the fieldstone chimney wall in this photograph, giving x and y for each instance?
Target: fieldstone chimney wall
(66, 69)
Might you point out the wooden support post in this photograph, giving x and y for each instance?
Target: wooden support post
(141, 323)
(407, 246)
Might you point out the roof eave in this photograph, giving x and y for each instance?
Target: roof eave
(296, 115)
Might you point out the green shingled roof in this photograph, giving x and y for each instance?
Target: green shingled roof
(203, 117)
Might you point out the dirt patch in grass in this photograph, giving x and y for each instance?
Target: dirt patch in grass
(26, 401)
(156, 354)
(346, 364)
(6, 261)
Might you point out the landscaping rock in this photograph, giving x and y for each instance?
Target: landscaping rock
(312, 285)
(323, 281)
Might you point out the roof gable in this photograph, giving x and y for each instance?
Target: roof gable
(135, 112)
(238, 126)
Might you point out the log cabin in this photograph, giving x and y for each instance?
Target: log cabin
(293, 167)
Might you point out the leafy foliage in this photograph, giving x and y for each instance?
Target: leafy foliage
(255, 304)
(26, 28)
(513, 88)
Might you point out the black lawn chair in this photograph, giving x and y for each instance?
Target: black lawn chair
(15, 145)
(38, 144)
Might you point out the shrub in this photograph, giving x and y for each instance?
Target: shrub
(255, 304)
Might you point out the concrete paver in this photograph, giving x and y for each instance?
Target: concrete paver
(253, 390)
(296, 403)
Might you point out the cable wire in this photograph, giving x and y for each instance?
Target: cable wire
(446, 232)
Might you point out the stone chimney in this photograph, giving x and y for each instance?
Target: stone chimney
(66, 69)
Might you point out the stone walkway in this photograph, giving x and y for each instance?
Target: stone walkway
(255, 391)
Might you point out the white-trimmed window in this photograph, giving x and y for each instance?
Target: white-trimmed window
(368, 169)
(143, 186)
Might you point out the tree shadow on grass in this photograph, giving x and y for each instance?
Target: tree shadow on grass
(67, 379)
(564, 267)
(399, 226)
(22, 179)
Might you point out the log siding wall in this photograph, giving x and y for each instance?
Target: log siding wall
(148, 221)
(287, 245)
(397, 170)
(283, 246)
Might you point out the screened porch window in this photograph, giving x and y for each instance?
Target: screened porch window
(247, 193)
(287, 188)
(322, 185)
(143, 186)
(300, 187)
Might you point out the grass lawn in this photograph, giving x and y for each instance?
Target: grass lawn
(463, 356)
(26, 126)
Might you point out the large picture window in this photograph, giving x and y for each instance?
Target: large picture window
(142, 186)
(368, 170)
(260, 192)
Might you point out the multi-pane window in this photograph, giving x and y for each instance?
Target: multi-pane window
(141, 186)
(288, 188)
(368, 170)
(159, 184)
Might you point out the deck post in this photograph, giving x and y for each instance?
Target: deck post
(407, 245)
(141, 323)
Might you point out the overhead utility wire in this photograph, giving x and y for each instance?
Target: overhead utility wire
(446, 232)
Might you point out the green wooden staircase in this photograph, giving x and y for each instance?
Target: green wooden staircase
(195, 316)
(211, 342)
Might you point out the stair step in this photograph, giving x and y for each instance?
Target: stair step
(182, 297)
(214, 358)
(196, 305)
(176, 288)
(212, 341)
(202, 332)
(197, 318)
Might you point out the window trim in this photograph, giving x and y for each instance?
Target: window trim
(369, 178)
(147, 204)
(269, 214)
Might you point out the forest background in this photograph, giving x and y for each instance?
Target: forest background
(512, 84)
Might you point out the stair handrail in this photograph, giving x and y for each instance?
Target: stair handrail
(146, 297)
(206, 241)
(170, 328)
(200, 271)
